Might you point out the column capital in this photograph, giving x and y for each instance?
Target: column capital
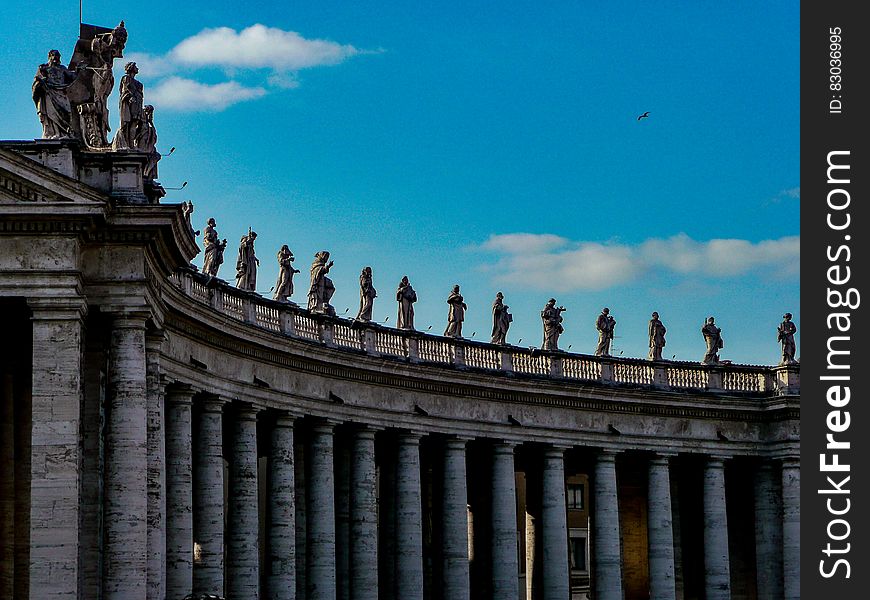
(246, 412)
(325, 426)
(365, 431)
(286, 419)
(129, 318)
(606, 454)
(457, 442)
(791, 462)
(661, 460)
(410, 436)
(717, 461)
(212, 403)
(57, 309)
(154, 338)
(663, 455)
(179, 393)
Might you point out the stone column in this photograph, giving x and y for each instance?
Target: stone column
(55, 477)
(282, 512)
(662, 583)
(363, 517)
(126, 503)
(554, 526)
(208, 500)
(409, 525)
(7, 486)
(179, 492)
(768, 533)
(455, 582)
(791, 527)
(342, 518)
(505, 568)
(320, 514)
(299, 468)
(156, 468)
(243, 548)
(606, 550)
(717, 577)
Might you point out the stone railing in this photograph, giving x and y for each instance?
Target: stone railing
(416, 347)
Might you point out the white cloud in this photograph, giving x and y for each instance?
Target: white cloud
(268, 57)
(257, 47)
(177, 93)
(546, 261)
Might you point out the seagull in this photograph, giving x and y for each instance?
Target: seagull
(643, 116)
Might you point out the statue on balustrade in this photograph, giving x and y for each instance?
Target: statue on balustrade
(284, 285)
(456, 313)
(605, 325)
(213, 249)
(367, 295)
(656, 337)
(322, 289)
(552, 318)
(247, 263)
(147, 143)
(785, 334)
(406, 297)
(49, 94)
(131, 107)
(713, 338)
(501, 320)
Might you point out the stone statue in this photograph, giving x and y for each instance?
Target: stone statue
(406, 296)
(131, 109)
(367, 295)
(605, 325)
(49, 94)
(213, 249)
(656, 337)
(552, 318)
(95, 51)
(501, 320)
(785, 334)
(284, 285)
(147, 143)
(247, 263)
(321, 290)
(187, 211)
(456, 314)
(713, 338)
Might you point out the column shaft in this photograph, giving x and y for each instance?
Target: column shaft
(208, 498)
(363, 518)
(455, 582)
(607, 555)
(791, 528)
(55, 477)
(342, 519)
(717, 580)
(320, 515)
(126, 503)
(156, 469)
(179, 493)
(243, 548)
(555, 527)
(299, 469)
(409, 524)
(282, 513)
(505, 567)
(661, 532)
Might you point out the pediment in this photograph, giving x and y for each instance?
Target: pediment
(25, 182)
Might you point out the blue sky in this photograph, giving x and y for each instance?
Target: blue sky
(493, 146)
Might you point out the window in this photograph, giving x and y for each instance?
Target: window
(578, 551)
(575, 496)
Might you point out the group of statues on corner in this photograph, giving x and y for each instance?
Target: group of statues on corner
(71, 101)
(321, 290)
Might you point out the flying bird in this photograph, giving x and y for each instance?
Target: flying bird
(643, 116)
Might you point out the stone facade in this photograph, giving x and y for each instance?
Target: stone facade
(162, 433)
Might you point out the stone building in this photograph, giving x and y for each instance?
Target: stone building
(163, 433)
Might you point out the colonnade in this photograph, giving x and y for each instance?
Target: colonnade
(206, 494)
(375, 550)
